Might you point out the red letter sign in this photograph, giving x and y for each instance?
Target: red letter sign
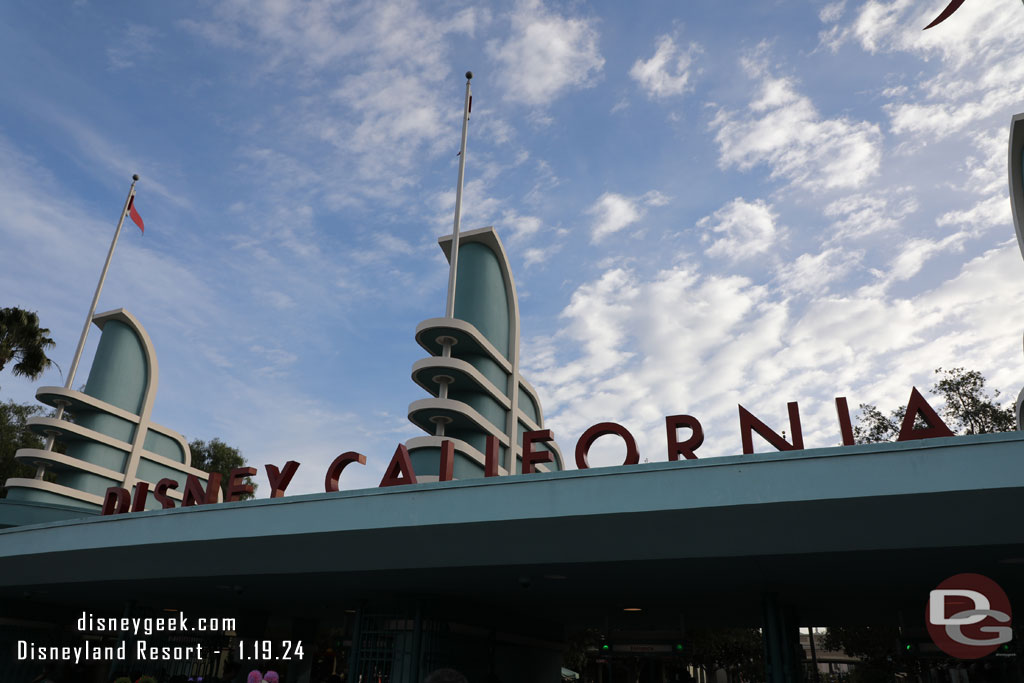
(141, 493)
(749, 423)
(917, 405)
(400, 470)
(491, 457)
(334, 471)
(194, 494)
(160, 492)
(236, 483)
(447, 466)
(279, 481)
(686, 448)
(532, 457)
(843, 411)
(116, 501)
(603, 429)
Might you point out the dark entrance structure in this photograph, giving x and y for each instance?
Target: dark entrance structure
(492, 574)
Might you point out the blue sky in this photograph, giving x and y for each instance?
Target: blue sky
(704, 202)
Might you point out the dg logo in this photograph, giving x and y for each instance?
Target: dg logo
(968, 616)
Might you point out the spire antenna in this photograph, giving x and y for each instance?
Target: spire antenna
(454, 260)
(69, 382)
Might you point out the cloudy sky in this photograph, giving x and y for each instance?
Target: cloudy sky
(705, 203)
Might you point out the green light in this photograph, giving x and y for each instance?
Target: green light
(679, 647)
(606, 647)
(907, 647)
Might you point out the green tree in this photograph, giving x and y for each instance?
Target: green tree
(876, 648)
(578, 649)
(967, 409)
(24, 342)
(739, 651)
(874, 427)
(15, 434)
(217, 456)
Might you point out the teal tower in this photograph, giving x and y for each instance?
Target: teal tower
(111, 440)
(1016, 177)
(477, 395)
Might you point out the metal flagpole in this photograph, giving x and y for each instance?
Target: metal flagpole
(88, 319)
(450, 307)
(453, 269)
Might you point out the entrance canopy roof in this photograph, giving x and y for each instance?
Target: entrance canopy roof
(835, 532)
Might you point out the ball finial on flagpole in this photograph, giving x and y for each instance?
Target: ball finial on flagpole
(469, 75)
(135, 176)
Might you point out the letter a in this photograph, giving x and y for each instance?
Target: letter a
(400, 470)
(915, 406)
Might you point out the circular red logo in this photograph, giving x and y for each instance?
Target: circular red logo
(968, 616)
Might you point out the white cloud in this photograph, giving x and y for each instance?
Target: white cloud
(895, 91)
(859, 215)
(666, 73)
(613, 212)
(479, 207)
(812, 273)
(784, 130)
(987, 213)
(493, 128)
(113, 157)
(741, 229)
(546, 54)
(538, 255)
(387, 135)
(913, 254)
(637, 347)
(941, 119)
(970, 75)
(520, 226)
(986, 170)
(976, 49)
(314, 35)
(831, 12)
(134, 43)
(389, 109)
(655, 198)
(978, 30)
(878, 20)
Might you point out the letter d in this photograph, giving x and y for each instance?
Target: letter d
(81, 622)
(937, 606)
(22, 650)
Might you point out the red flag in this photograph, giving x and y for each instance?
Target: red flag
(135, 215)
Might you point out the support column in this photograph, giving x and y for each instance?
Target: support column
(353, 655)
(417, 642)
(782, 652)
